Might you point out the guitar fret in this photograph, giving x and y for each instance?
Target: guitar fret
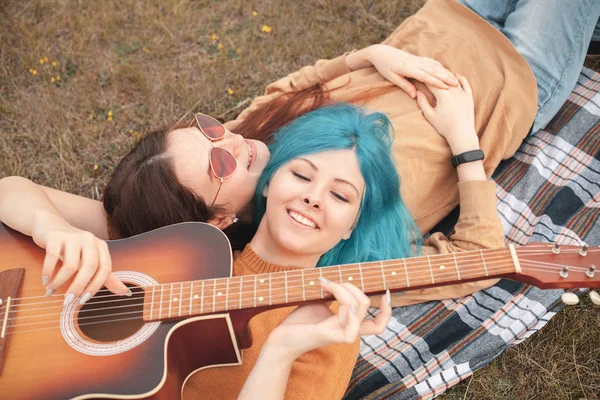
(483, 260)
(254, 290)
(227, 296)
(214, 294)
(191, 295)
(161, 296)
(362, 283)
(270, 297)
(406, 273)
(180, 297)
(383, 275)
(241, 281)
(303, 293)
(321, 275)
(170, 298)
(152, 303)
(202, 299)
(456, 265)
(286, 287)
(430, 269)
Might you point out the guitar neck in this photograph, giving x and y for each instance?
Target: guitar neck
(187, 299)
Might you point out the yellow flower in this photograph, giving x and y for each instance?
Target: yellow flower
(238, 51)
(220, 46)
(131, 131)
(254, 13)
(266, 29)
(34, 72)
(110, 113)
(54, 63)
(58, 77)
(95, 167)
(46, 59)
(109, 118)
(41, 60)
(52, 80)
(90, 116)
(230, 91)
(214, 37)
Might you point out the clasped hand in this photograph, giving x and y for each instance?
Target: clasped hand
(396, 66)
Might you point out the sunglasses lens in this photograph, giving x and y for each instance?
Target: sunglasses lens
(211, 127)
(223, 163)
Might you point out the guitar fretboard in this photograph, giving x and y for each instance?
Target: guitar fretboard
(185, 299)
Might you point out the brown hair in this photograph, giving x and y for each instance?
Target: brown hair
(144, 193)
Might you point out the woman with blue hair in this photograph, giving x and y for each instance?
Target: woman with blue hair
(330, 195)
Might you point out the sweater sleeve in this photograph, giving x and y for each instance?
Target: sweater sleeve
(478, 227)
(321, 72)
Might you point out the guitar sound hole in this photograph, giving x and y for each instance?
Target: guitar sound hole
(107, 317)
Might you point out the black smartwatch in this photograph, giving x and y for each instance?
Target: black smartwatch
(469, 156)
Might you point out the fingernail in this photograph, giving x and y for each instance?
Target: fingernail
(324, 281)
(49, 292)
(128, 294)
(86, 296)
(388, 296)
(69, 299)
(45, 280)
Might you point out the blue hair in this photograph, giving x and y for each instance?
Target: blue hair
(385, 230)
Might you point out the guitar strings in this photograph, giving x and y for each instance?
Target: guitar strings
(412, 260)
(220, 303)
(14, 328)
(291, 284)
(277, 277)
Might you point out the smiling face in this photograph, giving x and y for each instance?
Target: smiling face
(312, 204)
(190, 150)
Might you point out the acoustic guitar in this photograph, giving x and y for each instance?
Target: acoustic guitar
(187, 312)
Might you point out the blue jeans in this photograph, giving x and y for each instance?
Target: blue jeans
(552, 35)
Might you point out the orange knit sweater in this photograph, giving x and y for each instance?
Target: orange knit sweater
(323, 373)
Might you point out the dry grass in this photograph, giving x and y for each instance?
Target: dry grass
(148, 64)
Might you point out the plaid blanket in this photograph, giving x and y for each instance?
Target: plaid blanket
(549, 191)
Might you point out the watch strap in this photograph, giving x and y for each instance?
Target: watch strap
(466, 157)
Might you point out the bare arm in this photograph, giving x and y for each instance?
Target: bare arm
(21, 200)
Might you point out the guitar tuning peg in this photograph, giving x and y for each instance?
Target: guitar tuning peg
(569, 298)
(595, 297)
(556, 248)
(583, 251)
(591, 271)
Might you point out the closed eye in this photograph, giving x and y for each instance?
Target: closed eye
(302, 177)
(340, 197)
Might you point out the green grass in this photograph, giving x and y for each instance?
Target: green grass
(150, 64)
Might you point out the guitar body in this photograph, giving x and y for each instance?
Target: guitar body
(78, 352)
